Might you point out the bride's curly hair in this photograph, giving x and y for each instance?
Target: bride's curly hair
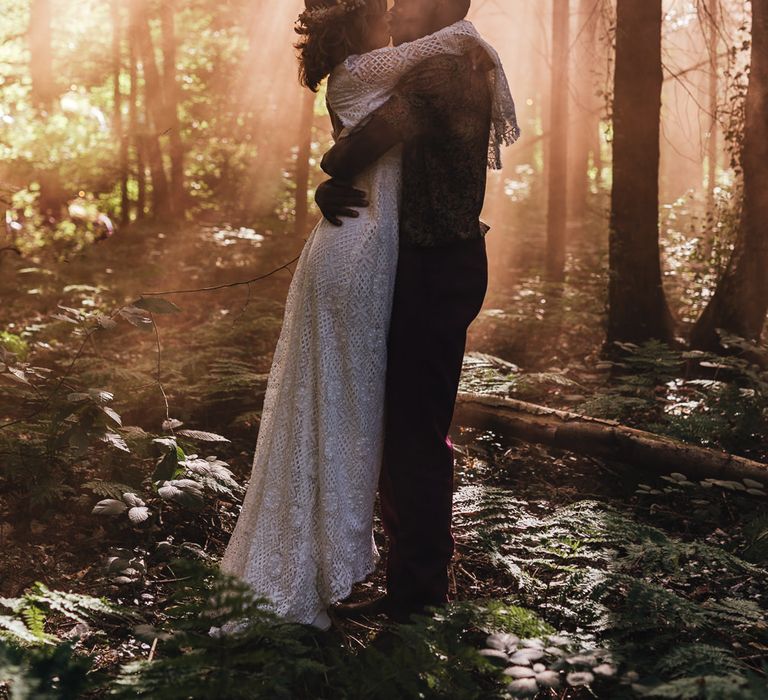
(330, 31)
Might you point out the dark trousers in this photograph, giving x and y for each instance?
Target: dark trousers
(438, 293)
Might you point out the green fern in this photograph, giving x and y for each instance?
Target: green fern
(593, 567)
(26, 616)
(272, 659)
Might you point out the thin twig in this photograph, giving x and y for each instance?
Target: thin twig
(223, 286)
(158, 375)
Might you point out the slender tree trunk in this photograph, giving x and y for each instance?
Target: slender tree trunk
(585, 128)
(120, 135)
(135, 134)
(740, 303)
(270, 117)
(558, 153)
(302, 162)
(161, 202)
(155, 111)
(41, 55)
(712, 154)
(44, 93)
(171, 97)
(638, 308)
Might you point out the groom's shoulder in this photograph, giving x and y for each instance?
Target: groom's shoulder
(441, 72)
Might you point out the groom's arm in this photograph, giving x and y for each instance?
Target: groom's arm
(422, 99)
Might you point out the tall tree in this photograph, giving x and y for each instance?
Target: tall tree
(171, 103)
(740, 303)
(136, 134)
(585, 127)
(638, 308)
(270, 117)
(713, 10)
(117, 118)
(41, 54)
(558, 152)
(44, 92)
(154, 106)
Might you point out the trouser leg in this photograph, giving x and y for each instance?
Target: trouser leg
(438, 292)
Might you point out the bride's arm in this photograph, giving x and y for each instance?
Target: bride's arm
(336, 126)
(423, 97)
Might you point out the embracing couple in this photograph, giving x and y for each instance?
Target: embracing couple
(365, 375)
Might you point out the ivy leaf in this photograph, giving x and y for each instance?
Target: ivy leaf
(137, 317)
(116, 441)
(132, 500)
(138, 514)
(105, 322)
(156, 305)
(204, 436)
(114, 415)
(18, 375)
(109, 506)
(101, 396)
(185, 492)
(214, 475)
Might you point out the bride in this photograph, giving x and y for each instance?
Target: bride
(304, 535)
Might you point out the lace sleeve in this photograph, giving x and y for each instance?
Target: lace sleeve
(388, 71)
(384, 67)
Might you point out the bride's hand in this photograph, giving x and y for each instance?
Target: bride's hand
(335, 199)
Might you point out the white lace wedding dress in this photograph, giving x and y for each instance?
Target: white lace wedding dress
(305, 535)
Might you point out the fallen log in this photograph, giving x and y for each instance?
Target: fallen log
(604, 438)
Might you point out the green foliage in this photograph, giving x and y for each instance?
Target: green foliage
(631, 585)
(50, 673)
(36, 664)
(693, 396)
(263, 657)
(24, 619)
(14, 344)
(756, 534)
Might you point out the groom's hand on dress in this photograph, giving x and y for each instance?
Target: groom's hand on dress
(336, 198)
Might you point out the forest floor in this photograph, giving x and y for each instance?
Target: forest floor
(667, 573)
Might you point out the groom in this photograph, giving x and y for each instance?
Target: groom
(441, 114)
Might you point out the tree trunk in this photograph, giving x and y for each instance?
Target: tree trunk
(136, 136)
(161, 203)
(155, 112)
(120, 135)
(740, 304)
(558, 152)
(712, 152)
(585, 128)
(638, 308)
(171, 97)
(44, 92)
(41, 55)
(270, 117)
(302, 162)
(604, 439)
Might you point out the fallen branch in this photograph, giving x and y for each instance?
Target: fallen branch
(604, 438)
